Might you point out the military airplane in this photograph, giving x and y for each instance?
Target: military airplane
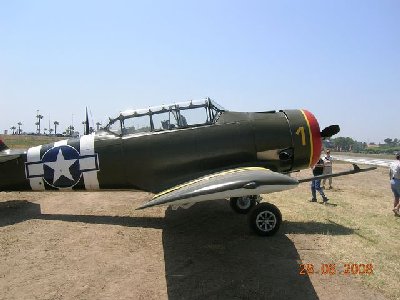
(183, 153)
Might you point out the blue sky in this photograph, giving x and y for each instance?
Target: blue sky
(338, 59)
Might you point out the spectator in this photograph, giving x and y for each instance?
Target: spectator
(394, 174)
(316, 183)
(327, 168)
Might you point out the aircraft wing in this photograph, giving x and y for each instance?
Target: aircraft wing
(356, 169)
(230, 183)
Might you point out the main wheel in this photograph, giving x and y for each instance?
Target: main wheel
(265, 219)
(242, 205)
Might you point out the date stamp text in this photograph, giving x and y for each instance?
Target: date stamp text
(336, 269)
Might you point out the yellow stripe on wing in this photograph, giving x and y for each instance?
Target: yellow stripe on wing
(206, 178)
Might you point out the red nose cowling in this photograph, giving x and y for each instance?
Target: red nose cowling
(315, 137)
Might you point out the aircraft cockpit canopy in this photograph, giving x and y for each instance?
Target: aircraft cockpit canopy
(166, 117)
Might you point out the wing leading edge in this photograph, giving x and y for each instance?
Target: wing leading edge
(231, 183)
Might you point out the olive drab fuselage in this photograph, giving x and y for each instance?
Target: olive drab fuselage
(282, 141)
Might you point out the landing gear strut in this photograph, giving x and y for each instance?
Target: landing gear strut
(242, 205)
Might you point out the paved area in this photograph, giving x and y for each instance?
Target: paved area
(364, 160)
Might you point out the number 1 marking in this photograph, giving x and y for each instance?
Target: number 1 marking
(300, 131)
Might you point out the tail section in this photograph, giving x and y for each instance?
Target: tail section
(3, 146)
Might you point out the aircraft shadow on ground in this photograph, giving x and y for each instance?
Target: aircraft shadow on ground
(209, 251)
(16, 211)
(210, 254)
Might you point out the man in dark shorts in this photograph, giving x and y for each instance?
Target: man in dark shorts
(316, 183)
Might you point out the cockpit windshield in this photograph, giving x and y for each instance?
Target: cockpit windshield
(166, 117)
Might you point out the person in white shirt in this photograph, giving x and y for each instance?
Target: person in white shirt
(327, 168)
(394, 175)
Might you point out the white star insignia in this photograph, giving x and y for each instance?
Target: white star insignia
(61, 166)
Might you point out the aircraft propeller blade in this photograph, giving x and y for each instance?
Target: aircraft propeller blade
(329, 131)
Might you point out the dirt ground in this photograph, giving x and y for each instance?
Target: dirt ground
(81, 245)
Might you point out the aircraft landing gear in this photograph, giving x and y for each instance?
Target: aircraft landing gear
(265, 219)
(242, 205)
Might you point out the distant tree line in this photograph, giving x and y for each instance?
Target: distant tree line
(347, 144)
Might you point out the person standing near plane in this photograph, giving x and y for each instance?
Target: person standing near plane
(327, 168)
(316, 183)
(394, 174)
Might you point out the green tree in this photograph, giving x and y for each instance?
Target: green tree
(359, 146)
(38, 117)
(19, 128)
(388, 141)
(343, 143)
(55, 127)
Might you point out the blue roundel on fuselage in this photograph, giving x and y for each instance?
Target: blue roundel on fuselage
(61, 166)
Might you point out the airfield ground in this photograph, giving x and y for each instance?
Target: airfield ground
(81, 245)
(26, 141)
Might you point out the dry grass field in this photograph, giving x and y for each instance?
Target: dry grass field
(26, 141)
(359, 205)
(81, 245)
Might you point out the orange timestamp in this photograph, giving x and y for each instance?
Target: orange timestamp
(334, 269)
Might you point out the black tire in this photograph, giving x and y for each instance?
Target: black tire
(242, 205)
(265, 219)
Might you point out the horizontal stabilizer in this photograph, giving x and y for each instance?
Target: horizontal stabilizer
(3, 146)
(6, 154)
(231, 183)
(7, 157)
(356, 169)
